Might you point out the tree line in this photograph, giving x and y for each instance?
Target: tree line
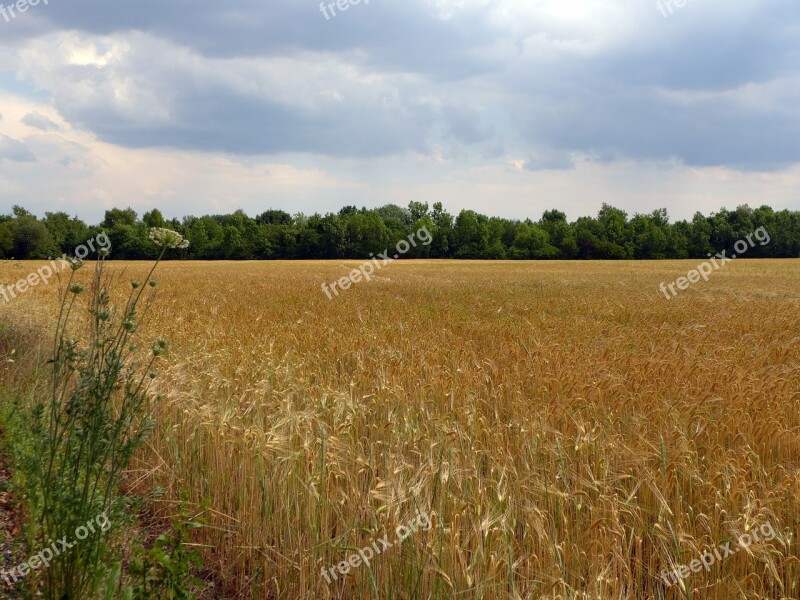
(354, 233)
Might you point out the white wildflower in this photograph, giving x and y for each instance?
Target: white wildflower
(166, 238)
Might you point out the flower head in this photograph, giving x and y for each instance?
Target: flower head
(160, 347)
(166, 238)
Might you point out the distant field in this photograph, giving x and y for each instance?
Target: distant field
(570, 431)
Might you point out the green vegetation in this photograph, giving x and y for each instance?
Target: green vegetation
(165, 570)
(356, 233)
(73, 436)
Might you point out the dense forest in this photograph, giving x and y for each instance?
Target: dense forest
(357, 233)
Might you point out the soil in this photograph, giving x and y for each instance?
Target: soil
(11, 540)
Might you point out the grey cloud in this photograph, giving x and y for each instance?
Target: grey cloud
(14, 150)
(678, 88)
(644, 124)
(291, 105)
(465, 124)
(38, 121)
(549, 160)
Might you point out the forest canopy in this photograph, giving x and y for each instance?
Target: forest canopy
(355, 233)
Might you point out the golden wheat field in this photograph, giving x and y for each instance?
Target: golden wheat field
(570, 432)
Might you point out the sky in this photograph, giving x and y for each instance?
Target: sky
(507, 107)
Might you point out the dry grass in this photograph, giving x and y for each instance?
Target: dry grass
(573, 432)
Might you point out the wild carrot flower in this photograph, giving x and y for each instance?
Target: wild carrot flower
(166, 238)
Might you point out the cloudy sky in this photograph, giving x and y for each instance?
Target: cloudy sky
(508, 107)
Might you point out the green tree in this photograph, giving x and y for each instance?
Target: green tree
(392, 212)
(650, 235)
(154, 218)
(471, 235)
(417, 211)
(274, 217)
(116, 216)
(562, 236)
(533, 242)
(130, 242)
(67, 233)
(30, 238)
(785, 235)
(614, 233)
(699, 237)
(6, 238)
(333, 236)
(443, 233)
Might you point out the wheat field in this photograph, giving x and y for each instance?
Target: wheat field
(570, 432)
